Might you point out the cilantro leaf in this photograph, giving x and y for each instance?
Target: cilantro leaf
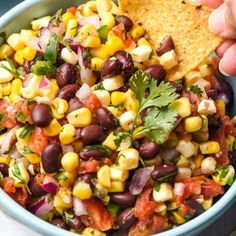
(196, 90)
(113, 209)
(27, 150)
(158, 123)
(26, 131)
(160, 96)
(52, 48)
(44, 68)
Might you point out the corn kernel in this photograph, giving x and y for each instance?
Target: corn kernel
(103, 96)
(131, 102)
(207, 204)
(14, 98)
(193, 124)
(96, 63)
(15, 42)
(87, 11)
(109, 141)
(70, 161)
(210, 147)
(103, 52)
(141, 53)
(41, 22)
(59, 108)
(19, 57)
(113, 83)
(186, 148)
(5, 160)
(118, 174)
(67, 134)
(26, 35)
(114, 43)
(53, 129)
(66, 179)
(182, 106)
(88, 231)
(208, 166)
(116, 187)
(29, 53)
(59, 200)
(108, 19)
(207, 107)
(72, 27)
(220, 104)
(104, 176)
(82, 190)
(137, 32)
(80, 118)
(66, 17)
(5, 51)
(6, 89)
(31, 91)
(198, 160)
(179, 219)
(169, 60)
(127, 120)
(192, 77)
(143, 41)
(114, 110)
(16, 86)
(183, 162)
(128, 159)
(117, 98)
(164, 193)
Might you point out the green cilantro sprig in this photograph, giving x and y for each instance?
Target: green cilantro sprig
(196, 90)
(159, 122)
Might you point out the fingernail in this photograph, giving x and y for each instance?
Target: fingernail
(221, 69)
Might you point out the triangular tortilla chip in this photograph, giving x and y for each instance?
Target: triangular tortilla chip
(187, 24)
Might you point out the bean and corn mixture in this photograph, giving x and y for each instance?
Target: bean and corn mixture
(95, 140)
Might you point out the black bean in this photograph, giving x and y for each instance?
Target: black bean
(164, 170)
(196, 206)
(106, 118)
(126, 219)
(157, 72)
(87, 178)
(232, 158)
(93, 134)
(169, 155)
(59, 223)
(178, 88)
(167, 45)
(76, 223)
(66, 74)
(111, 67)
(36, 189)
(68, 91)
(4, 169)
(87, 154)
(148, 150)
(211, 93)
(125, 88)
(125, 199)
(41, 115)
(127, 62)
(74, 104)
(128, 23)
(51, 157)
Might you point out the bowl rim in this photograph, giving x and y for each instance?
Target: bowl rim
(9, 206)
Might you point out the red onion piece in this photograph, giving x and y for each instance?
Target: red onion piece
(79, 208)
(67, 148)
(34, 43)
(50, 185)
(93, 20)
(83, 93)
(7, 140)
(44, 83)
(140, 179)
(42, 208)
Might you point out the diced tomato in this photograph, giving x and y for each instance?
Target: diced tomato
(191, 188)
(93, 103)
(153, 225)
(228, 126)
(38, 140)
(214, 63)
(8, 185)
(145, 207)
(8, 123)
(119, 30)
(21, 195)
(185, 211)
(223, 158)
(211, 189)
(72, 10)
(90, 166)
(99, 217)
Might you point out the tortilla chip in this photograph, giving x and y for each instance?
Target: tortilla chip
(187, 24)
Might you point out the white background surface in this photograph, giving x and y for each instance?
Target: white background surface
(10, 227)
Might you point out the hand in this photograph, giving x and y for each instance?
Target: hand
(222, 21)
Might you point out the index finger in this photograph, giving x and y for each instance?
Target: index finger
(210, 3)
